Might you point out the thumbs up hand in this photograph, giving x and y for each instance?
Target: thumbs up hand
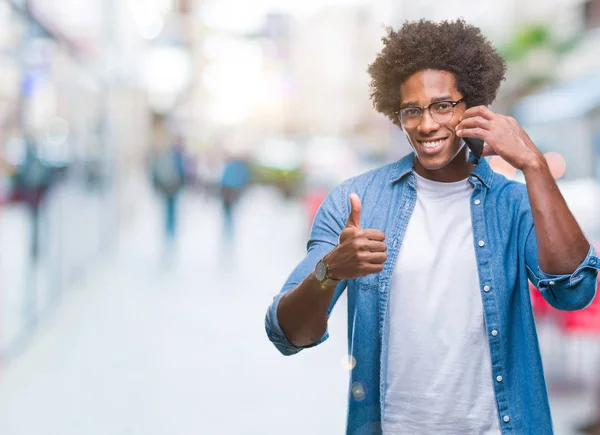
(355, 209)
(360, 252)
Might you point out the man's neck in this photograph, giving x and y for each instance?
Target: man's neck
(458, 169)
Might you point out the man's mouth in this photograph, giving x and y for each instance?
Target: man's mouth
(432, 145)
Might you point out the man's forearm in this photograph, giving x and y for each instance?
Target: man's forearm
(302, 312)
(562, 246)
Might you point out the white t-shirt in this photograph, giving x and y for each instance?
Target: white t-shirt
(439, 374)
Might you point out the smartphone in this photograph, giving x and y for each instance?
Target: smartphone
(475, 145)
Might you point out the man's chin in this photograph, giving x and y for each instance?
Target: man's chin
(433, 164)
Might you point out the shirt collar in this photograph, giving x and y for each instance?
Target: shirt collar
(405, 166)
(483, 171)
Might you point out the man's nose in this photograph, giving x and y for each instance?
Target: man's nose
(427, 124)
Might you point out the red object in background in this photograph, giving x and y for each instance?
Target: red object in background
(582, 321)
(587, 320)
(541, 308)
(312, 202)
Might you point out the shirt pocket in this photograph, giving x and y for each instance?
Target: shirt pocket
(368, 282)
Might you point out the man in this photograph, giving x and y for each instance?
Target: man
(436, 251)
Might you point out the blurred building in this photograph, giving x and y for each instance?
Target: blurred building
(562, 113)
(71, 95)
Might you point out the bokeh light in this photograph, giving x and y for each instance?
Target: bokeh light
(358, 391)
(348, 362)
(57, 130)
(557, 164)
(501, 166)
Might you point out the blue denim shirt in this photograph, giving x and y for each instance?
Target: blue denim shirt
(506, 251)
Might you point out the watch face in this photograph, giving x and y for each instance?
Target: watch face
(321, 270)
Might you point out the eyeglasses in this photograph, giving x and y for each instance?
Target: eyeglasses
(440, 111)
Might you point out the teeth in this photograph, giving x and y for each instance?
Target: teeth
(428, 144)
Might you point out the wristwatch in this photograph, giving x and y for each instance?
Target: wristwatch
(321, 270)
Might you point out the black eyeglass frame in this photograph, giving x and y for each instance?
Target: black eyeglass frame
(428, 107)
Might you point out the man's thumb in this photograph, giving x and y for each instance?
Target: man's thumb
(355, 209)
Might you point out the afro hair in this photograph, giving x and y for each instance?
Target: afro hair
(452, 46)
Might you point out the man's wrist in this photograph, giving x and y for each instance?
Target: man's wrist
(323, 272)
(329, 283)
(535, 164)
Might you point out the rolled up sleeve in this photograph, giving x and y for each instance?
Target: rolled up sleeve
(275, 333)
(328, 224)
(568, 292)
(277, 336)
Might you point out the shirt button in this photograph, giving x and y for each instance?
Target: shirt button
(506, 419)
(499, 378)
(494, 333)
(477, 201)
(486, 288)
(481, 243)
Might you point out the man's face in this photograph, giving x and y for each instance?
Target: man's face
(436, 144)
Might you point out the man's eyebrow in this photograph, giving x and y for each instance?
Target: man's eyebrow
(409, 104)
(433, 100)
(444, 98)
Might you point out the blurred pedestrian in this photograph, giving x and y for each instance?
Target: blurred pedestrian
(436, 251)
(234, 180)
(32, 181)
(168, 177)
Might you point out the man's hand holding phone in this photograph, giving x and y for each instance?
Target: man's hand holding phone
(503, 135)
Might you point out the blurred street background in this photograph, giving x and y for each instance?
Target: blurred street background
(160, 165)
